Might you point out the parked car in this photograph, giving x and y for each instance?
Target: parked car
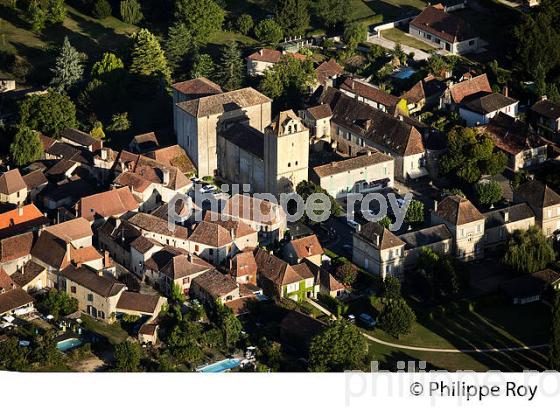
(367, 321)
(352, 224)
(352, 318)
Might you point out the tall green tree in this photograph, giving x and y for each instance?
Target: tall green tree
(26, 147)
(107, 66)
(397, 318)
(68, 69)
(178, 47)
(147, 56)
(56, 11)
(48, 113)
(244, 23)
(438, 276)
(13, 357)
(128, 355)
(203, 66)
(339, 347)
(36, 16)
(293, 16)
(269, 32)
(231, 68)
(202, 18)
(488, 192)
(131, 11)
(471, 155)
(333, 12)
(528, 251)
(391, 288)
(414, 212)
(354, 34)
(554, 352)
(229, 325)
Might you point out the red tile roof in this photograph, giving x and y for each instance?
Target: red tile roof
(11, 182)
(434, 20)
(273, 56)
(470, 86)
(109, 203)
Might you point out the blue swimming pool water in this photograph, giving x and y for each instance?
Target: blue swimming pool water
(221, 366)
(405, 73)
(65, 345)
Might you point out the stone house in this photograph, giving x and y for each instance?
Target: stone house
(544, 202)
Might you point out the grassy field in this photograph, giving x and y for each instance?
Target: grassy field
(87, 34)
(401, 37)
(114, 333)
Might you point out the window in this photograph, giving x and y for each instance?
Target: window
(73, 289)
(292, 287)
(196, 248)
(471, 43)
(289, 164)
(549, 213)
(478, 229)
(462, 232)
(296, 163)
(90, 297)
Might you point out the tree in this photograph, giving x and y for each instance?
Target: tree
(528, 251)
(127, 356)
(57, 303)
(147, 56)
(397, 318)
(13, 357)
(107, 67)
(438, 275)
(131, 11)
(119, 122)
(44, 349)
(346, 273)
(414, 212)
(48, 113)
(306, 188)
(292, 16)
(56, 11)
(333, 12)
(36, 16)
(26, 147)
(97, 131)
(354, 34)
(391, 288)
(437, 65)
(201, 17)
(339, 347)
(101, 9)
(554, 352)
(268, 32)
(203, 67)
(178, 46)
(288, 81)
(488, 192)
(471, 155)
(244, 23)
(68, 69)
(231, 67)
(228, 324)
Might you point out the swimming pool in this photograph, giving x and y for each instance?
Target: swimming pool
(221, 366)
(68, 344)
(404, 73)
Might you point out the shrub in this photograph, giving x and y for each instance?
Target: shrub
(244, 23)
(131, 11)
(101, 9)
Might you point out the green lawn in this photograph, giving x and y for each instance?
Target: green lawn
(114, 333)
(401, 37)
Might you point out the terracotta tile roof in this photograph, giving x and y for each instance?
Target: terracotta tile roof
(328, 69)
(138, 302)
(11, 182)
(174, 156)
(35, 179)
(380, 128)
(470, 87)
(143, 244)
(240, 306)
(151, 223)
(486, 104)
(182, 266)
(244, 207)
(72, 230)
(85, 254)
(458, 210)
(51, 250)
(345, 165)
(147, 141)
(434, 20)
(426, 88)
(225, 102)
(215, 283)
(103, 286)
(15, 247)
(320, 112)
(369, 92)
(14, 299)
(239, 228)
(148, 329)
(547, 109)
(161, 258)
(61, 167)
(379, 236)
(29, 272)
(537, 194)
(281, 120)
(244, 264)
(273, 56)
(25, 216)
(329, 282)
(511, 135)
(80, 137)
(6, 282)
(275, 269)
(150, 170)
(109, 203)
(135, 182)
(46, 141)
(307, 246)
(211, 234)
(198, 87)
(303, 270)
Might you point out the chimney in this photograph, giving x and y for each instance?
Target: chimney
(506, 216)
(506, 91)
(165, 176)
(376, 240)
(20, 210)
(543, 98)
(261, 52)
(369, 153)
(435, 206)
(232, 233)
(104, 154)
(106, 259)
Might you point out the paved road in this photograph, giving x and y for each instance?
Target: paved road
(433, 349)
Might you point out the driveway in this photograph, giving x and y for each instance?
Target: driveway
(419, 55)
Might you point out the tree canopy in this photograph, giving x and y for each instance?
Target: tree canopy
(488, 192)
(127, 356)
(528, 251)
(293, 16)
(268, 32)
(339, 347)
(68, 69)
(201, 17)
(554, 352)
(48, 113)
(332, 12)
(471, 155)
(147, 57)
(231, 69)
(178, 48)
(26, 147)
(397, 318)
